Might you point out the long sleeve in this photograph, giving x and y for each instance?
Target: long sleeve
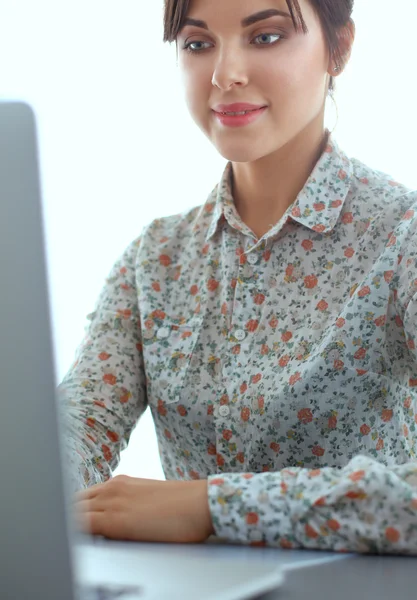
(364, 507)
(103, 394)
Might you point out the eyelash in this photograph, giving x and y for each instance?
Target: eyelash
(188, 49)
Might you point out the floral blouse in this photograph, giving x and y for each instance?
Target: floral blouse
(283, 369)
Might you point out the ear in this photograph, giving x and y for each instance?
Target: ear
(346, 37)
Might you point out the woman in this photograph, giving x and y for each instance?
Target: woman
(271, 330)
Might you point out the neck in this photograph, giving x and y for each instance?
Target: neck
(263, 190)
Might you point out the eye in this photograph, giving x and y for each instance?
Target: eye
(264, 41)
(188, 47)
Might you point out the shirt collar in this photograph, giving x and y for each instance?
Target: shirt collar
(319, 204)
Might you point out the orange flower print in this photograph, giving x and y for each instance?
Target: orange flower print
(380, 444)
(106, 452)
(256, 378)
(245, 413)
(349, 252)
(112, 435)
(194, 290)
(156, 286)
(194, 475)
(360, 354)
(104, 356)
(252, 325)
(243, 387)
(357, 475)
(380, 321)
(182, 410)
(340, 322)
(284, 360)
(365, 291)
(310, 281)
(365, 429)
(336, 203)
(252, 518)
(259, 299)
(211, 450)
(267, 255)
(408, 215)
(388, 275)
(305, 416)
(320, 502)
(91, 422)
(220, 460)
(212, 285)
(240, 457)
(333, 524)
(275, 447)
(168, 434)
(217, 481)
(311, 532)
(227, 434)
(123, 271)
(125, 313)
(286, 336)
(392, 535)
(180, 472)
(332, 422)
(387, 415)
(294, 378)
(264, 349)
(322, 305)
(236, 349)
(319, 206)
(347, 218)
(318, 451)
(273, 323)
(110, 379)
(161, 408)
(164, 260)
(307, 245)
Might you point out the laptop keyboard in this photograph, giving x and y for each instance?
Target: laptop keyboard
(114, 592)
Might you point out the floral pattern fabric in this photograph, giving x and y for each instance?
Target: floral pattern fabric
(281, 369)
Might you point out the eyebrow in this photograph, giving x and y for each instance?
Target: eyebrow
(259, 16)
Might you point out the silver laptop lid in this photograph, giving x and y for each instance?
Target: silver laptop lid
(35, 556)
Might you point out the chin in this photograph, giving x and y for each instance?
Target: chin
(244, 153)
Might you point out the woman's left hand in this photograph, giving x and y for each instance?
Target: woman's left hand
(127, 508)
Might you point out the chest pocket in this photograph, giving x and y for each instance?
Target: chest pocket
(167, 352)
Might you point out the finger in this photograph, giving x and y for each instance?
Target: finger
(89, 493)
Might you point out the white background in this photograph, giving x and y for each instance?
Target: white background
(118, 148)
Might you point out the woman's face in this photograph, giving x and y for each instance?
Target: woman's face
(265, 63)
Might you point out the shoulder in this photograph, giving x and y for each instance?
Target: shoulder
(383, 197)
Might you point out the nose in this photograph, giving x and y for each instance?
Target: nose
(230, 69)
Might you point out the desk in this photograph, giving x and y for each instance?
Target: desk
(309, 575)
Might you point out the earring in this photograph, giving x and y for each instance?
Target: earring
(337, 68)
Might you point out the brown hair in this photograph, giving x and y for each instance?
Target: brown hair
(334, 16)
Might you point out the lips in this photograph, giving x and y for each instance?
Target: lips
(237, 107)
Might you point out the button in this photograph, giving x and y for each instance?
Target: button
(163, 333)
(240, 335)
(253, 259)
(224, 411)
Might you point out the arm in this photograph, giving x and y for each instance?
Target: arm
(103, 394)
(364, 507)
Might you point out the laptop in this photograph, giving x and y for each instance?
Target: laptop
(42, 555)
